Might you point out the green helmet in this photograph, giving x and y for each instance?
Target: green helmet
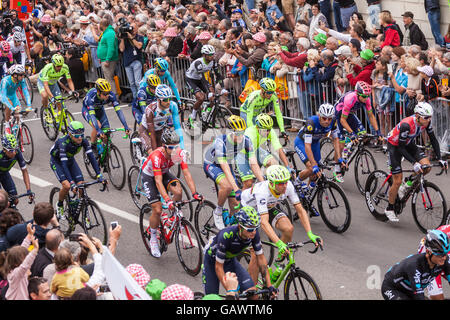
(75, 127)
(268, 84)
(9, 142)
(248, 217)
(278, 173)
(264, 121)
(57, 60)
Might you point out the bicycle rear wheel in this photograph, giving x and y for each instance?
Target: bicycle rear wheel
(186, 196)
(429, 211)
(94, 223)
(300, 286)
(337, 213)
(377, 193)
(364, 165)
(48, 123)
(26, 143)
(90, 170)
(116, 168)
(327, 154)
(66, 223)
(220, 120)
(204, 221)
(136, 187)
(189, 250)
(144, 229)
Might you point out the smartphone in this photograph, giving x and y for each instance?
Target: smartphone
(74, 237)
(114, 224)
(389, 67)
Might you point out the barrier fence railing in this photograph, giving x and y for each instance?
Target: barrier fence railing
(302, 100)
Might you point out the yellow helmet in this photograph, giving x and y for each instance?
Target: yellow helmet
(264, 121)
(236, 123)
(102, 85)
(153, 80)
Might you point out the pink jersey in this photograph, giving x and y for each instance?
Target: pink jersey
(349, 103)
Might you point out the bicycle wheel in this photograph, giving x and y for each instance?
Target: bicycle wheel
(134, 149)
(48, 123)
(29, 88)
(144, 218)
(337, 213)
(186, 196)
(377, 193)
(364, 165)
(220, 120)
(189, 250)
(196, 132)
(90, 170)
(69, 118)
(26, 143)
(94, 223)
(327, 154)
(430, 209)
(268, 249)
(300, 286)
(136, 187)
(66, 223)
(116, 168)
(204, 221)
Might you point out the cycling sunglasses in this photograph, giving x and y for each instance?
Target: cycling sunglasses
(362, 95)
(79, 135)
(268, 92)
(248, 229)
(172, 147)
(326, 118)
(165, 100)
(238, 133)
(426, 117)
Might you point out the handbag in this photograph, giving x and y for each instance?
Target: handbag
(250, 86)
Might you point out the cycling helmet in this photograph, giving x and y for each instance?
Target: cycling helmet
(16, 69)
(9, 142)
(248, 217)
(75, 127)
(437, 242)
(264, 121)
(236, 123)
(4, 46)
(362, 87)
(153, 80)
(170, 137)
(326, 110)
(278, 173)
(268, 84)
(57, 60)
(161, 64)
(102, 85)
(18, 36)
(424, 109)
(163, 91)
(208, 49)
(35, 13)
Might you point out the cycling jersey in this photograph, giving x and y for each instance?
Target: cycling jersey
(143, 98)
(157, 164)
(223, 149)
(198, 68)
(7, 163)
(259, 139)
(93, 108)
(255, 104)
(349, 103)
(166, 78)
(409, 278)
(313, 131)
(49, 74)
(8, 92)
(18, 52)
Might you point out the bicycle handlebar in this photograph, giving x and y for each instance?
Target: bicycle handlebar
(250, 293)
(109, 130)
(14, 197)
(295, 245)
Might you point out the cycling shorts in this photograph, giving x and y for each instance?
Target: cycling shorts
(8, 183)
(215, 172)
(196, 86)
(100, 114)
(54, 88)
(300, 149)
(276, 214)
(391, 293)
(354, 123)
(74, 170)
(243, 164)
(150, 188)
(395, 156)
(211, 283)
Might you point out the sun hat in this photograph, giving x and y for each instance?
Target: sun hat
(170, 32)
(205, 35)
(260, 37)
(139, 274)
(177, 292)
(367, 54)
(83, 20)
(427, 70)
(160, 24)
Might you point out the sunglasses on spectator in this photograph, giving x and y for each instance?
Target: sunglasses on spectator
(238, 133)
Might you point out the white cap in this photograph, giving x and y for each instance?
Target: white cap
(343, 50)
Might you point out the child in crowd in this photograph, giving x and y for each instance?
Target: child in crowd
(380, 80)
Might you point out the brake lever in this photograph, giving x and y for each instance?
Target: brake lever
(317, 248)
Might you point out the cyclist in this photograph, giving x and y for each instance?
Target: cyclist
(9, 85)
(158, 115)
(259, 134)
(435, 287)
(307, 142)
(221, 252)
(9, 155)
(6, 58)
(47, 82)
(217, 166)
(17, 42)
(145, 96)
(258, 100)
(158, 181)
(161, 69)
(407, 279)
(345, 110)
(401, 144)
(197, 82)
(264, 197)
(94, 113)
(64, 165)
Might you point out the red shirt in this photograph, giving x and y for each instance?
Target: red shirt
(391, 37)
(157, 164)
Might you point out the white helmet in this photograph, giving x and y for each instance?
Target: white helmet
(424, 109)
(16, 68)
(208, 49)
(18, 37)
(326, 110)
(163, 91)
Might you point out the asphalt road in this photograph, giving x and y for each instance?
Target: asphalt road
(352, 265)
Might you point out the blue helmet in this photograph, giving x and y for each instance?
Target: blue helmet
(437, 242)
(161, 64)
(163, 91)
(35, 13)
(248, 217)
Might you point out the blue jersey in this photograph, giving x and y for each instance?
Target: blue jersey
(143, 98)
(93, 103)
(8, 92)
(227, 244)
(7, 163)
(313, 131)
(166, 78)
(223, 149)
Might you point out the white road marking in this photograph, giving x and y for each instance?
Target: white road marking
(34, 180)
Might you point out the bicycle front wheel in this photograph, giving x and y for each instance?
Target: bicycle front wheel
(334, 207)
(327, 154)
(220, 119)
(48, 123)
(90, 170)
(69, 118)
(189, 250)
(429, 210)
(135, 149)
(364, 165)
(66, 223)
(377, 193)
(26, 143)
(144, 229)
(116, 168)
(204, 221)
(94, 223)
(300, 286)
(136, 187)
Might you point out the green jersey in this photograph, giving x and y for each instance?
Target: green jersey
(259, 140)
(48, 73)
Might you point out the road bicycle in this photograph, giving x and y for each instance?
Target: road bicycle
(333, 205)
(364, 160)
(55, 117)
(81, 210)
(429, 211)
(12, 199)
(263, 293)
(174, 226)
(109, 159)
(21, 131)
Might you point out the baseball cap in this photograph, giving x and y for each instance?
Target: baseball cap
(237, 11)
(408, 14)
(343, 50)
(367, 54)
(321, 38)
(427, 70)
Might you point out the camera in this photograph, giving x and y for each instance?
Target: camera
(6, 20)
(124, 27)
